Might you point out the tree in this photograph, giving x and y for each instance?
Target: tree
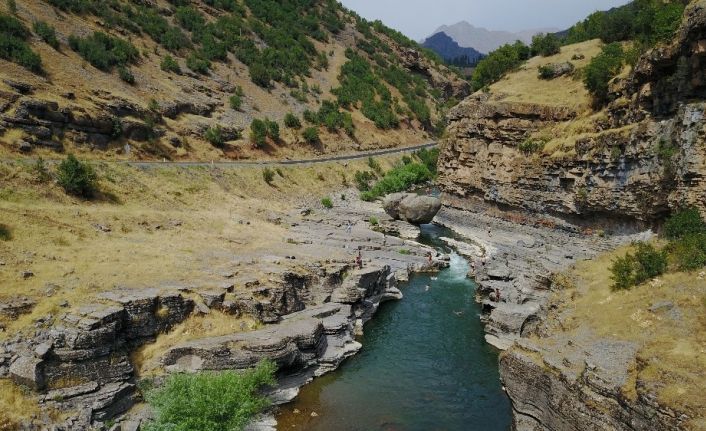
(602, 68)
(545, 44)
(77, 178)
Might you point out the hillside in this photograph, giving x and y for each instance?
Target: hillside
(186, 80)
(450, 51)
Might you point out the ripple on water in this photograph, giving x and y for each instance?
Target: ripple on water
(424, 366)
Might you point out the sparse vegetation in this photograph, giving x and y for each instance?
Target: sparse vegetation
(268, 175)
(327, 202)
(214, 135)
(169, 64)
(210, 401)
(374, 221)
(13, 44)
(47, 33)
(5, 233)
(12, 6)
(291, 121)
(77, 178)
(532, 146)
(236, 102)
(311, 135)
(40, 171)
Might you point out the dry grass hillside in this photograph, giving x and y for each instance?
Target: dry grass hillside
(150, 225)
(665, 318)
(196, 92)
(525, 86)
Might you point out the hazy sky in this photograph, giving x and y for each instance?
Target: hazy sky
(418, 18)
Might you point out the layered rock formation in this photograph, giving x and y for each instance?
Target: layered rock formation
(81, 361)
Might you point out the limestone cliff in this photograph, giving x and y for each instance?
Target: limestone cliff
(632, 162)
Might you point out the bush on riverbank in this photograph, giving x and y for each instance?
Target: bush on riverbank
(399, 179)
(686, 251)
(210, 401)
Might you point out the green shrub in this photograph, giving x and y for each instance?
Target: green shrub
(159, 29)
(77, 178)
(689, 252)
(429, 158)
(214, 135)
(498, 63)
(198, 64)
(13, 45)
(126, 75)
(602, 69)
(210, 401)
(375, 166)
(260, 75)
(47, 33)
(398, 179)
(169, 64)
(633, 269)
(374, 221)
(327, 202)
(5, 232)
(104, 51)
(363, 179)
(41, 171)
(272, 129)
(545, 45)
(268, 175)
(311, 135)
(686, 222)
(531, 146)
(236, 102)
(258, 132)
(291, 121)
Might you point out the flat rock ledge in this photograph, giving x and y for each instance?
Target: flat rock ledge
(79, 362)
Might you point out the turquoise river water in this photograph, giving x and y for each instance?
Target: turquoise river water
(424, 366)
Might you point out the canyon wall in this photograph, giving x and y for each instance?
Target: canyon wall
(624, 170)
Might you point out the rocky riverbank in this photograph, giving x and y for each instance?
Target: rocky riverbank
(310, 297)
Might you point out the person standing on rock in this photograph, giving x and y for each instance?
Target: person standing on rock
(359, 260)
(349, 227)
(497, 295)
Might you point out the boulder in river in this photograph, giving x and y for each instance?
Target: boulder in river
(412, 208)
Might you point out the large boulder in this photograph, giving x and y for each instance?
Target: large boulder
(411, 208)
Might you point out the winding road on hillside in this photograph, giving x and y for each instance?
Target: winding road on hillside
(343, 158)
(250, 163)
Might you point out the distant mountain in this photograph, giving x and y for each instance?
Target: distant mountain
(483, 40)
(450, 51)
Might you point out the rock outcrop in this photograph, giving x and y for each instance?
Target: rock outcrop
(411, 208)
(81, 361)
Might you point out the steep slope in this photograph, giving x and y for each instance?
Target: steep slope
(450, 51)
(534, 152)
(187, 79)
(483, 40)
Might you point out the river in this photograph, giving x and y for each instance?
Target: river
(424, 366)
